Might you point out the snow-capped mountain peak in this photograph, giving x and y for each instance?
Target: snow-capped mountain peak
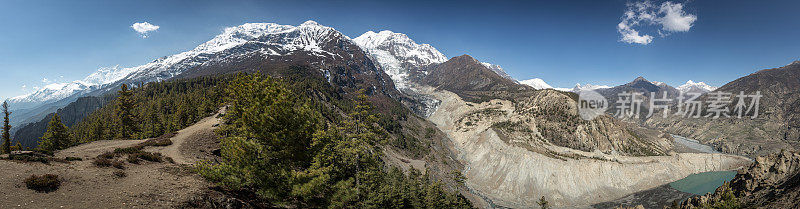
(578, 87)
(279, 39)
(400, 45)
(695, 87)
(57, 91)
(499, 70)
(398, 55)
(536, 83)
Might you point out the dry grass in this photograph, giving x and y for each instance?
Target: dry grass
(44, 183)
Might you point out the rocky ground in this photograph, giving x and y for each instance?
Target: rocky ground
(772, 181)
(145, 185)
(514, 176)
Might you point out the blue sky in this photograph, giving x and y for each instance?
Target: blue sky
(562, 42)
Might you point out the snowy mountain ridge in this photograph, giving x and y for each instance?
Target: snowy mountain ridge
(285, 38)
(57, 91)
(695, 87)
(578, 87)
(398, 55)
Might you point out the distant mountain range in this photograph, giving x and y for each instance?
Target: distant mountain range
(399, 56)
(695, 87)
(467, 111)
(777, 126)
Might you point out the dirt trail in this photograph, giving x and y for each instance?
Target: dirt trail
(146, 185)
(192, 143)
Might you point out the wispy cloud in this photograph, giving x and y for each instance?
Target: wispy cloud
(143, 28)
(669, 15)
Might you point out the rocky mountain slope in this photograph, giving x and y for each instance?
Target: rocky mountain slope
(772, 181)
(470, 79)
(640, 85)
(776, 127)
(511, 163)
(517, 142)
(242, 48)
(403, 59)
(265, 39)
(499, 70)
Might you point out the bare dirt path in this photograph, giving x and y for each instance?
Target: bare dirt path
(193, 143)
(145, 185)
(95, 148)
(84, 185)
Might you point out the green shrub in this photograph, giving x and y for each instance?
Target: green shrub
(169, 159)
(44, 183)
(128, 150)
(150, 156)
(102, 162)
(73, 159)
(118, 164)
(107, 155)
(133, 159)
(30, 158)
(161, 141)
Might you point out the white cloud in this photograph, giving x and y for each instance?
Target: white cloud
(669, 15)
(630, 35)
(143, 28)
(675, 19)
(45, 80)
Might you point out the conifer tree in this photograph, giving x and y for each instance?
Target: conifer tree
(543, 203)
(6, 130)
(126, 126)
(56, 137)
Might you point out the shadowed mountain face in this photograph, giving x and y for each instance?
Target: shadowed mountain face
(347, 68)
(28, 135)
(280, 46)
(640, 85)
(267, 47)
(470, 79)
(776, 127)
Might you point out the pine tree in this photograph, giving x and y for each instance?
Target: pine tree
(56, 137)
(543, 203)
(126, 126)
(6, 130)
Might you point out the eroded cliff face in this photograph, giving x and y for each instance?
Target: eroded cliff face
(772, 181)
(516, 166)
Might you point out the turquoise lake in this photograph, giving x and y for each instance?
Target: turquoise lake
(702, 183)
